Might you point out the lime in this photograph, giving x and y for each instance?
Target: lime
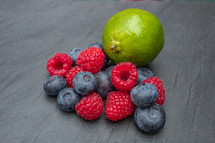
(133, 35)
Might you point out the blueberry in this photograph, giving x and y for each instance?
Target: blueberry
(96, 44)
(74, 54)
(144, 95)
(100, 46)
(104, 84)
(150, 119)
(54, 84)
(108, 70)
(84, 83)
(67, 99)
(144, 73)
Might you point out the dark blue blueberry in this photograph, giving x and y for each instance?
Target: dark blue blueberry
(54, 84)
(100, 46)
(104, 84)
(108, 70)
(84, 83)
(150, 119)
(144, 95)
(67, 99)
(143, 73)
(74, 54)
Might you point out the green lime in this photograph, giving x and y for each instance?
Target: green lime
(133, 35)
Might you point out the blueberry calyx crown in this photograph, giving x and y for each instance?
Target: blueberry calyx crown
(87, 77)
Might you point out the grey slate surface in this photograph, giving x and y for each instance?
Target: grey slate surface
(32, 31)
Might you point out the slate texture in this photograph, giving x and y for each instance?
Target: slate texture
(32, 31)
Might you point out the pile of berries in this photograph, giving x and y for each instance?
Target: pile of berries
(82, 78)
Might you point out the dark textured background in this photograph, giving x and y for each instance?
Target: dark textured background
(32, 31)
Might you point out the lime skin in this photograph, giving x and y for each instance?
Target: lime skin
(133, 35)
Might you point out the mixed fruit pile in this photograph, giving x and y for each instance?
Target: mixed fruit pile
(84, 79)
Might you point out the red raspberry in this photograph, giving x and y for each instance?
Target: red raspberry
(90, 107)
(118, 105)
(91, 59)
(124, 76)
(59, 64)
(161, 90)
(71, 74)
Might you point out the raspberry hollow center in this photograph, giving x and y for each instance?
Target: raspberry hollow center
(124, 75)
(58, 65)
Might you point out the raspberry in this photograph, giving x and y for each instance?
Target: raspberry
(59, 64)
(124, 76)
(118, 105)
(71, 74)
(90, 107)
(91, 60)
(161, 90)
